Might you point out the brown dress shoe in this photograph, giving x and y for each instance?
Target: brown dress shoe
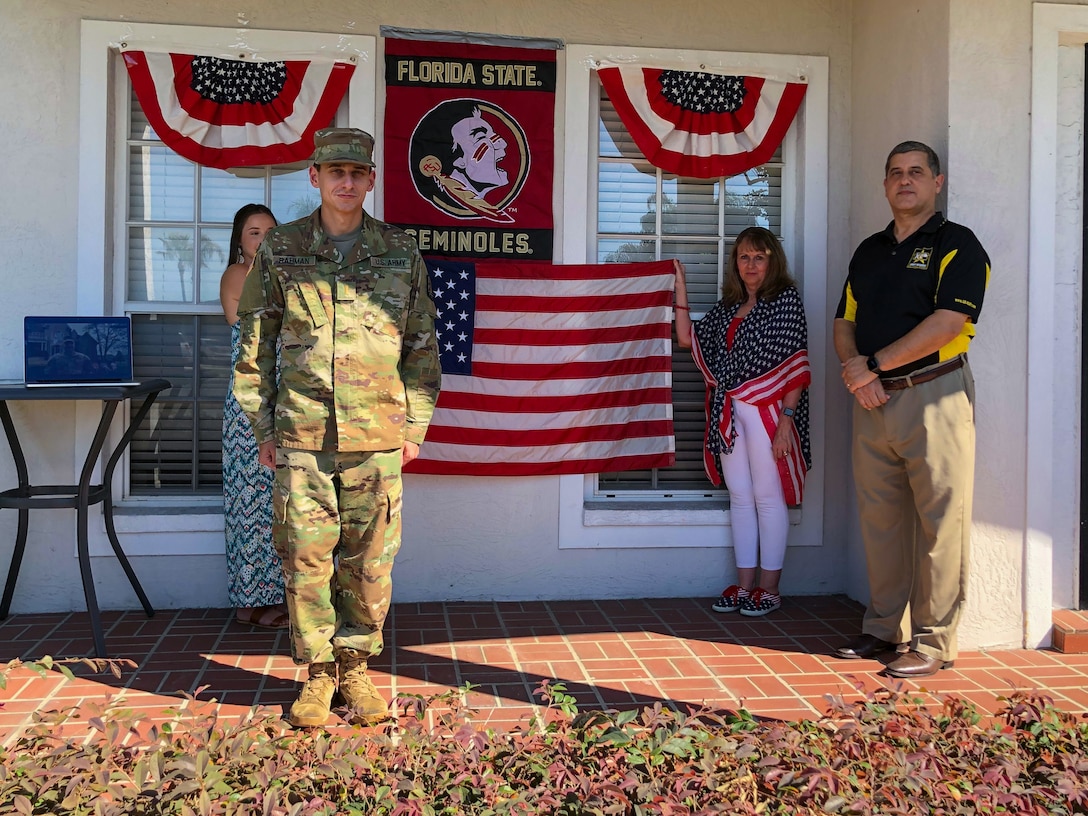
(864, 647)
(915, 664)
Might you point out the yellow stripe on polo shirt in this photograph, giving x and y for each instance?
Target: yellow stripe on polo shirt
(963, 340)
(851, 311)
(945, 261)
(959, 344)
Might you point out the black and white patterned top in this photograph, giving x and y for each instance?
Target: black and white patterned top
(771, 334)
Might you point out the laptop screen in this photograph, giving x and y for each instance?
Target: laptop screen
(66, 351)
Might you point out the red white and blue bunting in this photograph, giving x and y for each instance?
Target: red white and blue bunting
(702, 125)
(228, 113)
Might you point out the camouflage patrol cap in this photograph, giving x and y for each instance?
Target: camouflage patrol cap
(349, 145)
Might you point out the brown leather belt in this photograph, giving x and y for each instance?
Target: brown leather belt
(911, 380)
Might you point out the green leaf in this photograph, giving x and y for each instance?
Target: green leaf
(615, 737)
(677, 747)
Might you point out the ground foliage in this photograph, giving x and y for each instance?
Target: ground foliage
(889, 753)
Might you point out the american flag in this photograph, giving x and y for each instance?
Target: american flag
(551, 369)
(701, 124)
(227, 113)
(765, 393)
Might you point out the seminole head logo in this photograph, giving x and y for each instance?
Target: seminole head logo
(470, 159)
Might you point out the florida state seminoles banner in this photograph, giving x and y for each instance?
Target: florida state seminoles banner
(237, 113)
(702, 125)
(469, 147)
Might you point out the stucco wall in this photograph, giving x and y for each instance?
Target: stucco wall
(987, 184)
(969, 95)
(897, 93)
(1068, 436)
(968, 92)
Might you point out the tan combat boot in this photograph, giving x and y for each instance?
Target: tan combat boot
(312, 708)
(365, 705)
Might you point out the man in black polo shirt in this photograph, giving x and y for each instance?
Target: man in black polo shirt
(907, 314)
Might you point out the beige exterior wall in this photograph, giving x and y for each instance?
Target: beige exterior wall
(955, 73)
(897, 93)
(988, 157)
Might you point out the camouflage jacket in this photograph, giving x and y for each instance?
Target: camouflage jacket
(359, 365)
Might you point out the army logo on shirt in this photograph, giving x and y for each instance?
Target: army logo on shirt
(920, 258)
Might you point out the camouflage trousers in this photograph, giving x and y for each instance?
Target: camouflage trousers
(337, 528)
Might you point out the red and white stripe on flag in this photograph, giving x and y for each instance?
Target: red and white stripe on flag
(237, 113)
(702, 125)
(570, 369)
(766, 393)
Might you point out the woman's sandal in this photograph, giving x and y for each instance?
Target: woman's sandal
(265, 617)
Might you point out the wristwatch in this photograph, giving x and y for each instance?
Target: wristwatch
(788, 412)
(874, 366)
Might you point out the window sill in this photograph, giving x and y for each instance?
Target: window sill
(645, 514)
(650, 513)
(144, 528)
(137, 519)
(147, 508)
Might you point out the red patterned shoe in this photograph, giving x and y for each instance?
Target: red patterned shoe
(731, 599)
(759, 603)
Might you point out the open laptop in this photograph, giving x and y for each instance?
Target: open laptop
(74, 351)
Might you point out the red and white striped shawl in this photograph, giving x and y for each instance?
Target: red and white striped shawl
(769, 359)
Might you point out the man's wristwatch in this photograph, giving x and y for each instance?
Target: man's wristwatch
(874, 366)
(788, 412)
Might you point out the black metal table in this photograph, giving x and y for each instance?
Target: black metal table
(79, 496)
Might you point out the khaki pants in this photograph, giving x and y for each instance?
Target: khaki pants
(914, 462)
(337, 528)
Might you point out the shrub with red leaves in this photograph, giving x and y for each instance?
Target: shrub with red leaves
(886, 754)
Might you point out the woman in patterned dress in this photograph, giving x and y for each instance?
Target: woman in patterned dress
(254, 571)
(751, 348)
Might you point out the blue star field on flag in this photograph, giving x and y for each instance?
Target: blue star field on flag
(703, 93)
(454, 287)
(226, 81)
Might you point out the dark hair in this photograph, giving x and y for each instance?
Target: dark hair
(234, 254)
(932, 159)
(778, 273)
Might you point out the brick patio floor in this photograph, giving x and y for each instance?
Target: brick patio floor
(609, 654)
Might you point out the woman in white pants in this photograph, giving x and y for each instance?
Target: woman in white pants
(752, 349)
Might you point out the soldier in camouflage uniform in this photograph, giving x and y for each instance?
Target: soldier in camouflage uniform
(348, 300)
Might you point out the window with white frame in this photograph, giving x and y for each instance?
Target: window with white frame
(153, 233)
(645, 214)
(178, 218)
(644, 516)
